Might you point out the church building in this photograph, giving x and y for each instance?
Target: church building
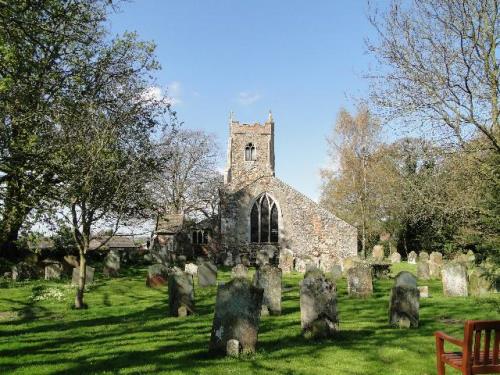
(259, 212)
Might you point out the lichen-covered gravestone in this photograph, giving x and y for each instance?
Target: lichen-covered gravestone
(112, 263)
(191, 268)
(237, 316)
(359, 281)
(239, 271)
(268, 278)
(53, 271)
(89, 275)
(436, 257)
(454, 278)
(423, 272)
(423, 256)
(412, 257)
(207, 274)
(404, 301)
(286, 261)
(479, 284)
(180, 293)
(395, 258)
(336, 272)
(378, 253)
(157, 276)
(318, 305)
(435, 265)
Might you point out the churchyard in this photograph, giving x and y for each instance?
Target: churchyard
(127, 329)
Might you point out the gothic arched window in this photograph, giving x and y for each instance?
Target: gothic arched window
(250, 154)
(264, 220)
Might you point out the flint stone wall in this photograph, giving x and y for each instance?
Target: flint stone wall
(305, 228)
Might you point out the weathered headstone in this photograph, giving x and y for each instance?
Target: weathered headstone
(157, 276)
(336, 272)
(348, 263)
(436, 257)
(479, 284)
(53, 271)
(112, 263)
(191, 268)
(404, 301)
(262, 258)
(434, 270)
(454, 278)
(412, 257)
(424, 291)
(237, 316)
(286, 261)
(423, 272)
(378, 253)
(302, 263)
(233, 348)
(89, 275)
(239, 271)
(395, 258)
(268, 278)
(23, 271)
(318, 305)
(207, 274)
(423, 256)
(180, 293)
(359, 281)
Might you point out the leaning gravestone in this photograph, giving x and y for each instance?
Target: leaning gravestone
(412, 257)
(157, 276)
(404, 301)
(479, 284)
(237, 316)
(180, 293)
(268, 278)
(454, 278)
(53, 271)
(423, 272)
(336, 272)
(239, 271)
(286, 261)
(112, 263)
(395, 258)
(191, 268)
(423, 256)
(207, 274)
(89, 275)
(23, 271)
(378, 253)
(318, 305)
(359, 281)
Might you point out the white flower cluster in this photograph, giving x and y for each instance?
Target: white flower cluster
(55, 294)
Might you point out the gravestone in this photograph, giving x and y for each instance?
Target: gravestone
(239, 271)
(436, 257)
(434, 270)
(395, 258)
(112, 263)
(89, 275)
(233, 348)
(207, 274)
(53, 271)
(412, 257)
(378, 253)
(301, 264)
(423, 256)
(336, 272)
(404, 301)
(454, 278)
(348, 263)
(181, 261)
(262, 258)
(23, 271)
(157, 276)
(423, 272)
(286, 261)
(479, 284)
(191, 268)
(268, 278)
(318, 305)
(359, 281)
(180, 293)
(237, 315)
(424, 291)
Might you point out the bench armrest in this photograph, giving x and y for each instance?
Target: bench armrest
(443, 336)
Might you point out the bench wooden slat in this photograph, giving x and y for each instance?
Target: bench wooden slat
(477, 346)
(496, 346)
(487, 337)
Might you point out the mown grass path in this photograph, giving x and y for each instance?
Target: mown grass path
(126, 330)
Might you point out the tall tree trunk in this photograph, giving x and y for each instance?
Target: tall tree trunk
(79, 304)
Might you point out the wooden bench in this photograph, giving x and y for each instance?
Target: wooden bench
(474, 358)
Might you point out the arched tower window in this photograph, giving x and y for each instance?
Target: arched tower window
(264, 220)
(250, 154)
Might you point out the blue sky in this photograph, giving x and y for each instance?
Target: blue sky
(301, 59)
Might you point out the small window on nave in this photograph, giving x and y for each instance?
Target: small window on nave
(250, 154)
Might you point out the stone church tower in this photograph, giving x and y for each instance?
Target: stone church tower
(259, 212)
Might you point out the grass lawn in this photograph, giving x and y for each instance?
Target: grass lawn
(126, 330)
